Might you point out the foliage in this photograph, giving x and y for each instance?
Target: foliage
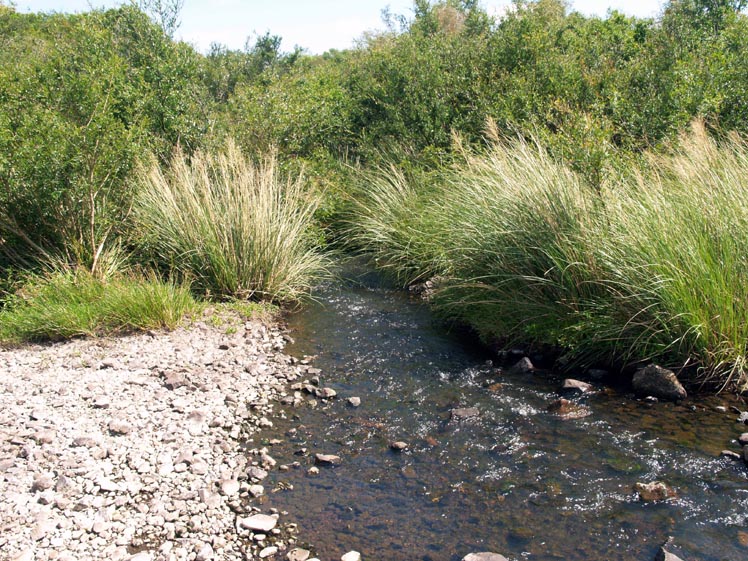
(65, 304)
(233, 227)
(81, 98)
(649, 267)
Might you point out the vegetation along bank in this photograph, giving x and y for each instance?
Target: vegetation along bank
(563, 181)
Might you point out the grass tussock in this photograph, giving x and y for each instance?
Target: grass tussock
(652, 266)
(233, 227)
(65, 304)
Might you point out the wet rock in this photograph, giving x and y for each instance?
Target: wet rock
(743, 417)
(730, 455)
(327, 459)
(664, 555)
(524, 366)
(658, 382)
(258, 523)
(568, 410)
(354, 401)
(257, 473)
(399, 446)
(654, 491)
(313, 470)
(743, 439)
(572, 386)
(298, 554)
(351, 556)
(484, 556)
(464, 413)
(325, 393)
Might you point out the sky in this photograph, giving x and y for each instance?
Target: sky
(315, 25)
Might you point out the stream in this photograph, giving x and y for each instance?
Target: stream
(516, 480)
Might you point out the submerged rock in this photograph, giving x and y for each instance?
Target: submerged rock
(354, 401)
(568, 410)
(654, 491)
(464, 413)
(298, 554)
(484, 556)
(658, 382)
(399, 445)
(327, 459)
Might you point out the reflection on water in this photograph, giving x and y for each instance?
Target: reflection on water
(516, 480)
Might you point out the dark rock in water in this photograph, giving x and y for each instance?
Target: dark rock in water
(576, 386)
(665, 555)
(730, 455)
(484, 556)
(464, 413)
(327, 459)
(743, 417)
(524, 366)
(654, 491)
(568, 410)
(743, 439)
(658, 382)
(597, 374)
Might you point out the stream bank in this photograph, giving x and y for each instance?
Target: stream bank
(129, 448)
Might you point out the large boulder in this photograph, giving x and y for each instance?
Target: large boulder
(658, 382)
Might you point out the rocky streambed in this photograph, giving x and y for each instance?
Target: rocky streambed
(142, 447)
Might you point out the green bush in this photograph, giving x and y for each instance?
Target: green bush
(82, 97)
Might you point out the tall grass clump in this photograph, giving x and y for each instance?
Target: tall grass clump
(652, 265)
(75, 303)
(677, 235)
(516, 228)
(387, 221)
(233, 227)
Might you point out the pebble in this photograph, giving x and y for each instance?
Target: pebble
(268, 551)
(351, 556)
(399, 445)
(354, 401)
(160, 463)
(298, 554)
(258, 523)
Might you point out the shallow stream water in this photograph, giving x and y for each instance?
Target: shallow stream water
(516, 480)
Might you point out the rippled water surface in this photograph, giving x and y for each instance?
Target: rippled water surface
(517, 480)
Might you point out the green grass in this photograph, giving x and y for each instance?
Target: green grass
(234, 228)
(653, 265)
(66, 304)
